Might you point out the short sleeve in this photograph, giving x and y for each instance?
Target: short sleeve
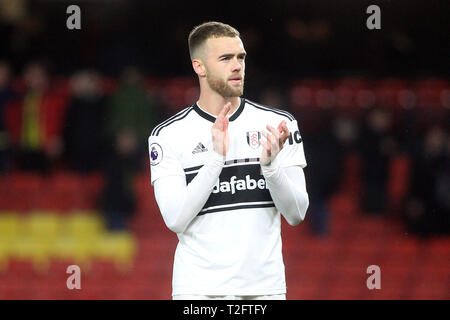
(292, 153)
(163, 160)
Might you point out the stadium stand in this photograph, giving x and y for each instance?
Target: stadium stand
(50, 222)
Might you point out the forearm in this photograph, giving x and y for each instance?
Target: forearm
(179, 204)
(288, 190)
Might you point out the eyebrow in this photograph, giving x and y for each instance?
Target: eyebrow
(232, 55)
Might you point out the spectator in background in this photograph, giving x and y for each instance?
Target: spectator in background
(346, 132)
(131, 109)
(129, 117)
(6, 95)
(13, 18)
(324, 171)
(377, 147)
(427, 210)
(84, 145)
(38, 120)
(119, 201)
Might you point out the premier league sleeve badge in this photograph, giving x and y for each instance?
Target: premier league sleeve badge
(156, 154)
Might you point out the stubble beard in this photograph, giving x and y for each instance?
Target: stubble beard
(223, 88)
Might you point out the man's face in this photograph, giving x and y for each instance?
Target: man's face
(225, 65)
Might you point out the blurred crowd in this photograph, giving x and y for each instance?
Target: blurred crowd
(400, 153)
(85, 131)
(90, 129)
(404, 170)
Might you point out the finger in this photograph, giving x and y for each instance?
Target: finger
(275, 143)
(267, 146)
(283, 140)
(285, 129)
(274, 137)
(281, 126)
(268, 139)
(263, 143)
(273, 131)
(219, 123)
(226, 108)
(266, 135)
(285, 134)
(225, 123)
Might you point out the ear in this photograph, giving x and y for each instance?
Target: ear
(199, 67)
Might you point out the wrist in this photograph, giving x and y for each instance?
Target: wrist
(270, 168)
(216, 158)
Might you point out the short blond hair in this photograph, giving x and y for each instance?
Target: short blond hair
(206, 30)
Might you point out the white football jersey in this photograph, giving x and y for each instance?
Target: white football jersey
(233, 245)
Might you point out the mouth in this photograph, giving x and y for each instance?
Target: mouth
(236, 80)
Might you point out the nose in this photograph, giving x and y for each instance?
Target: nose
(237, 66)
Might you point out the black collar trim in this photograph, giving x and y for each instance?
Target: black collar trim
(211, 118)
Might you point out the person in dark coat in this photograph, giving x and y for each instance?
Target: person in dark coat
(427, 211)
(324, 170)
(377, 146)
(84, 144)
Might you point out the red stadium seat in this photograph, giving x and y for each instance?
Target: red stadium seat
(398, 182)
(388, 90)
(429, 92)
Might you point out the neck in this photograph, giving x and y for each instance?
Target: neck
(212, 102)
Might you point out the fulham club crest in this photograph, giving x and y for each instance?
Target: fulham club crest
(253, 138)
